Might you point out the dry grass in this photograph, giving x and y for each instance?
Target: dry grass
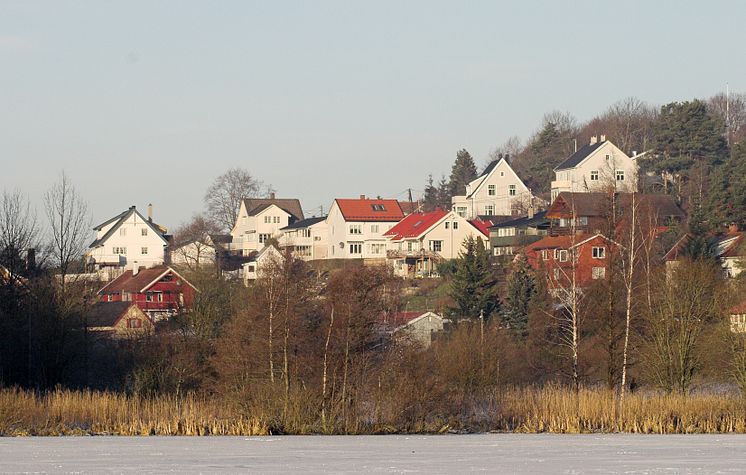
(551, 409)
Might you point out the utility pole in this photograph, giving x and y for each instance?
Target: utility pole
(410, 194)
(727, 113)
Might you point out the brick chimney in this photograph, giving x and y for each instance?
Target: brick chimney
(135, 268)
(603, 138)
(362, 197)
(594, 140)
(272, 195)
(150, 212)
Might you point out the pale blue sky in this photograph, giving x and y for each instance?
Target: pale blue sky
(148, 101)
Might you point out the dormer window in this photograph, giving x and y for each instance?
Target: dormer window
(378, 207)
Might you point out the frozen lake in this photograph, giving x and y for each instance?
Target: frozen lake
(493, 453)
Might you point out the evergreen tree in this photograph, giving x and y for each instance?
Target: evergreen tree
(444, 194)
(546, 150)
(474, 285)
(684, 134)
(431, 199)
(521, 290)
(463, 171)
(727, 198)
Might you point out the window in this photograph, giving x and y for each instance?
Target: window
(378, 207)
(505, 232)
(489, 210)
(276, 219)
(511, 190)
(455, 225)
(377, 248)
(594, 175)
(317, 238)
(122, 231)
(461, 211)
(134, 323)
(119, 250)
(149, 297)
(448, 224)
(562, 255)
(356, 248)
(502, 173)
(144, 251)
(599, 272)
(303, 251)
(544, 255)
(267, 219)
(502, 251)
(252, 268)
(160, 296)
(608, 156)
(436, 246)
(306, 233)
(374, 228)
(582, 221)
(409, 245)
(620, 175)
(491, 190)
(144, 231)
(264, 237)
(356, 229)
(556, 274)
(599, 252)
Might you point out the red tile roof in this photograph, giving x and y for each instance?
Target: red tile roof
(409, 207)
(739, 309)
(370, 210)
(138, 283)
(415, 224)
(398, 319)
(483, 225)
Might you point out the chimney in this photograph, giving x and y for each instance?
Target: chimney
(603, 138)
(150, 212)
(733, 228)
(362, 197)
(31, 260)
(531, 212)
(135, 268)
(634, 153)
(594, 139)
(272, 195)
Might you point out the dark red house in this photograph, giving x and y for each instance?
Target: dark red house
(554, 255)
(158, 291)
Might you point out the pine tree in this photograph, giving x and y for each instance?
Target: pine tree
(474, 286)
(463, 171)
(727, 197)
(430, 200)
(444, 194)
(545, 151)
(520, 291)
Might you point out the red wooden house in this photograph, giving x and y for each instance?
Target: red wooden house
(554, 255)
(158, 291)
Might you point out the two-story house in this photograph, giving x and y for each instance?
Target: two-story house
(158, 291)
(261, 219)
(357, 226)
(421, 240)
(727, 247)
(128, 240)
(600, 165)
(581, 257)
(308, 239)
(498, 191)
(508, 237)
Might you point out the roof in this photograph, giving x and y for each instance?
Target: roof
(365, 209)
(304, 223)
(107, 314)
(483, 225)
(726, 245)
(409, 207)
(290, 205)
(537, 219)
(488, 169)
(415, 225)
(577, 157)
(396, 319)
(596, 204)
(221, 238)
(739, 309)
(121, 218)
(140, 282)
(563, 242)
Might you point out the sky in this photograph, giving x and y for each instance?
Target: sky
(148, 101)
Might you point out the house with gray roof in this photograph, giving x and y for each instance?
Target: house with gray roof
(599, 165)
(261, 220)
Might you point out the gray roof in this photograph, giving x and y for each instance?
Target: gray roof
(106, 314)
(577, 157)
(538, 219)
(257, 205)
(304, 223)
(121, 218)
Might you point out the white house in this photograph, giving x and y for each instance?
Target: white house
(421, 240)
(128, 240)
(421, 329)
(594, 167)
(197, 253)
(308, 238)
(260, 262)
(357, 226)
(498, 191)
(260, 219)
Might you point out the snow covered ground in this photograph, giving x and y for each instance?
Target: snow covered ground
(492, 453)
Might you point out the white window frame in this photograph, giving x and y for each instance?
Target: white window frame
(491, 190)
(437, 243)
(594, 175)
(144, 231)
(620, 175)
(374, 228)
(598, 273)
(144, 251)
(512, 190)
(356, 229)
(599, 252)
(355, 248)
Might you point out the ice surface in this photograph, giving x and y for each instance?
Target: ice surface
(489, 453)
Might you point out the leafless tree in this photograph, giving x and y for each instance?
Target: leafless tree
(193, 242)
(19, 230)
(731, 108)
(223, 197)
(69, 224)
(510, 148)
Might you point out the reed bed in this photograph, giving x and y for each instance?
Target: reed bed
(526, 410)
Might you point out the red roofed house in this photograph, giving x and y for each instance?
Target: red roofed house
(357, 227)
(738, 318)
(554, 254)
(421, 240)
(157, 291)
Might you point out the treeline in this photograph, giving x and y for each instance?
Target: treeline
(691, 151)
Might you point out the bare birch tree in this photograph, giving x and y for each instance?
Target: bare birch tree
(223, 197)
(19, 230)
(69, 225)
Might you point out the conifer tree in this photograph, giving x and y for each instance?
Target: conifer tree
(463, 171)
(727, 197)
(444, 194)
(474, 286)
(520, 291)
(430, 200)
